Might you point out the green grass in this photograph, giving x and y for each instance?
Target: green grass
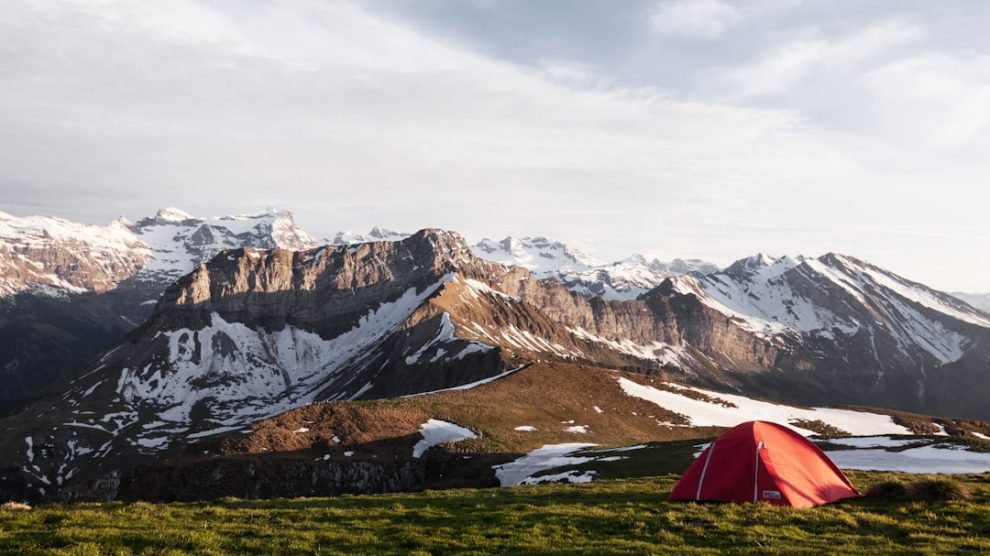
(621, 516)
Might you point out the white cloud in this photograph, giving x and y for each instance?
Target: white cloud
(786, 65)
(933, 100)
(694, 18)
(568, 72)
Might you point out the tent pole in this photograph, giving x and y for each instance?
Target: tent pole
(708, 458)
(756, 474)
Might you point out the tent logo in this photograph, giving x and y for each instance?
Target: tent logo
(771, 494)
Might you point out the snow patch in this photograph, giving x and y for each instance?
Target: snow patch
(665, 354)
(924, 459)
(547, 457)
(469, 385)
(707, 414)
(572, 476)
(437, 432)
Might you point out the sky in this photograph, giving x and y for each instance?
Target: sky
(672, 128)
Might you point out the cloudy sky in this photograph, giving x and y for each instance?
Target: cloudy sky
(691, 128)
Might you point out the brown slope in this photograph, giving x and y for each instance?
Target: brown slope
(545, 395)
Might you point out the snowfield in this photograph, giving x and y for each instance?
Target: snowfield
(707, 414)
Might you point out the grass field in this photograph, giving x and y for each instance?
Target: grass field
(616, 516)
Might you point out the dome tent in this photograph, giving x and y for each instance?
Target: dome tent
(760, 461)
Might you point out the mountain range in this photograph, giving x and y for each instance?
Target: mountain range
(149, 343)
(70, 290)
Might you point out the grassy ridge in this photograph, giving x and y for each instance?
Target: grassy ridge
(625, 516)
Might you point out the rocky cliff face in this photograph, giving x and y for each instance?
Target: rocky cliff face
(69, 291)
(847, 331)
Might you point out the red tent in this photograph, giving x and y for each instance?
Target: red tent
(763, 462)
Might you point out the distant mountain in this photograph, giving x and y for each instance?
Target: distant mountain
(620, 280)
(545, 258)
(979, 300)
(59, 257)
(69, 290)
(376, 234)
(256, 332)
(854, 326)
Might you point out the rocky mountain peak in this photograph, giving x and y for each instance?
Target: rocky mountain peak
(538, 254)
(172, 214)
(683, 266)
(763, 264)
(282, 277)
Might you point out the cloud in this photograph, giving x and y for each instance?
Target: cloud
(323, 105)
(705, 19)
(814, 56)
(883, 83)
(936, 101)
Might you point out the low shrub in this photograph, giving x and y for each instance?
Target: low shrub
(937, 489)
(887, 489)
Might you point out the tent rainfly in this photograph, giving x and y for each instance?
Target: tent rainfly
(763, 462)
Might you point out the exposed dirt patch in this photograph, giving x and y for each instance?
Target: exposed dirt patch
(367, 429)
(820, 427)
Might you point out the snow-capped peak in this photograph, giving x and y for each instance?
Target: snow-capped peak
(172, 214)
(180, 242)
(376, 234)
(546, 258)
(63, 256)
(835, 294)
(684, 266)
(540, 255)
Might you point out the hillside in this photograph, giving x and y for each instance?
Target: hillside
(528, 421)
